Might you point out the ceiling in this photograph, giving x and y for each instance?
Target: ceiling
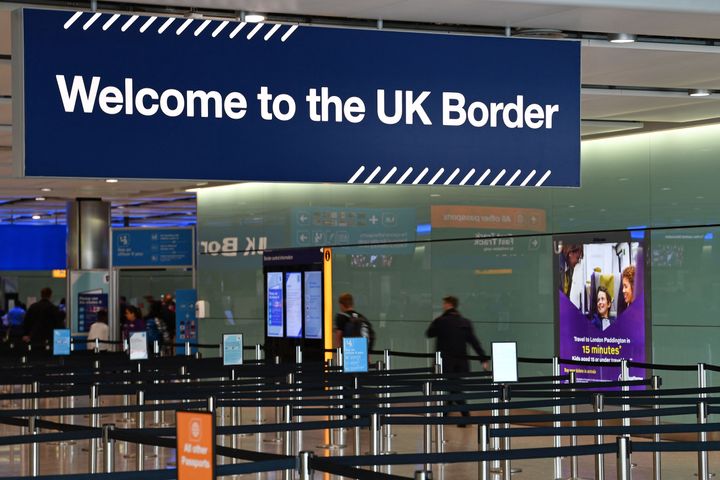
(626, 88)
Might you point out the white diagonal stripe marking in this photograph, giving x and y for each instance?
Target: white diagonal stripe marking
(357, 174)
(544, 177)
(89, 23)
(452, 177)
(405, 175)
(147, 24)
(497, 179)
(289, 32)
(420, 177)
(220, 28)
(527, 179)
(512, 179)
(72, 19)
(272, 31)
(372, 175)
(468, 176)
(437, 175)
(166, 25)
(185, 25)
(129, 23)
(202, 27)
(237, 29)
(387, 177)
(254, 31)
(109, 23)
(482, 177)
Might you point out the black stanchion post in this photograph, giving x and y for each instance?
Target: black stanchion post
(599, 438)
(702, 473)
(657, 459)
(277, 438)
(573, 438)
(623, 458)
(483, 465)
(507, 469)
(557, 439)
(34, 449)
(109, 451)
(387, 428)
(287, 445)
(304, 470)
(183, 379)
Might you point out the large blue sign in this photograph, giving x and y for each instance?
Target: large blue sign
(152, 247)
(26, 247)
(172, 97)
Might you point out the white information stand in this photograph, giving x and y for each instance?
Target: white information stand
(504, 362)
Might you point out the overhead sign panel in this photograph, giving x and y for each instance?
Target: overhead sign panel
(163, 97)
(152, 247)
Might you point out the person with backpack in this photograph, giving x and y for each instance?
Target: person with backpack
(349, 323)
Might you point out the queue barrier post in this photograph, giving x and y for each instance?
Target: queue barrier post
(94, 423)
(507, 469)
(109, 451)
(34, 449)
(623, 458)
(304, 470)
(356, 405)
(557, 439)
(657, 459)
(141, 425)
(702, 413)
(598, 406)
(96, 349)
(440, 428)
(423, 475)
(188, 350)
(287, 444)
(427, 428)
(258, 410)
(374, 436)
(483, 465)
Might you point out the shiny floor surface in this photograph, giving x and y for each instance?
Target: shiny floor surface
(66, 458)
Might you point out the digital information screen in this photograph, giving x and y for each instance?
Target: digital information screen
(275, 304)
(313, 305)
(293, 303)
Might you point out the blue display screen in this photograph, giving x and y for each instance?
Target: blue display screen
(275, 304)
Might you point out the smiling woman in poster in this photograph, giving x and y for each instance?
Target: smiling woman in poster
(601, 318)
(628, 285)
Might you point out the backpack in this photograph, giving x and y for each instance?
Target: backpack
(359, 326)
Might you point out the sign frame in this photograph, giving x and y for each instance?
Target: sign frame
(62, 342)
(193, 249)
(182, 473)
(504, 355)
(356, 359)
(226, 337)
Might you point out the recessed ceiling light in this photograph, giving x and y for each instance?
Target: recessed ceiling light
(39, 199)
(254, 17)
(699, 92)
(45, 189)
(201, 184)
(434, 194)
(111, 180)
(36, 217)
(621, 38)
(666, 189)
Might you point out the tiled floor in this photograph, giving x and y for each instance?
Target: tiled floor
(73, 458)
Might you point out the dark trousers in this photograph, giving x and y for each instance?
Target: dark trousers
(454, 366)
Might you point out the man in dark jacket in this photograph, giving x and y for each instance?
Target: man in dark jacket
(41, 319)
(453, 333)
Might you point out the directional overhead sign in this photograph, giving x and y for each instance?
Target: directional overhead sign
(161, 97)
(152, 247)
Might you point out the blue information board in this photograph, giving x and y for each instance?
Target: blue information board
(232, 349)
(186, 326)
(152, 247)
(28, 247)
(61, 341)
(328, 104)
(355, 354)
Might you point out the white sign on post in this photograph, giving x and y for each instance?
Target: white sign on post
(138, 346)
(504, 362)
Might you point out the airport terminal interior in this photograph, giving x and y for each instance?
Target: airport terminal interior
(574, 224)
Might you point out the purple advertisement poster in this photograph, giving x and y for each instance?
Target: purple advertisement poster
(601, 302)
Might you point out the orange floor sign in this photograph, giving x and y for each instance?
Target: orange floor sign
(195, 446)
